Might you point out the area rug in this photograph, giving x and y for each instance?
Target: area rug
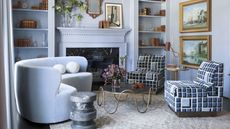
(159, 116)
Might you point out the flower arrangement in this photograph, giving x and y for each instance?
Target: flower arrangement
(113, 72)
(69, 8)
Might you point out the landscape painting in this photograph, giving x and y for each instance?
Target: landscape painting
(194, 50)
(195, 16)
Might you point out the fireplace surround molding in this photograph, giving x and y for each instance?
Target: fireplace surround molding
(93, 38)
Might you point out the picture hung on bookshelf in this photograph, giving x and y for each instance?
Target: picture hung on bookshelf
(194, 50)
(195, 16)
(114, 14)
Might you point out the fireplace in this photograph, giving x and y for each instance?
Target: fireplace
(98, 59)
(100, 46)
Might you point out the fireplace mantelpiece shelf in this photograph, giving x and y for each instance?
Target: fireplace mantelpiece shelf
(68, 30)
(93, 38)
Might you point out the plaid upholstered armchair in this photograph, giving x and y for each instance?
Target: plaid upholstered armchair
(204, 94)
(150, 71)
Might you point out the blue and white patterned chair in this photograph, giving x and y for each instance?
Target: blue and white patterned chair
(150, 71)
(204, 94)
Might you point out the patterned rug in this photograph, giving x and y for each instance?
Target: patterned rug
(159, 116)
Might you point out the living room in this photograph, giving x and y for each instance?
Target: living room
(171, 58)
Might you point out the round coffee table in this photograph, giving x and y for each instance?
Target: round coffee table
(124, 89)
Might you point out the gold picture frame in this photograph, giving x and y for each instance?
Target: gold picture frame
(194, 50)
(195, 16)
(114, 14)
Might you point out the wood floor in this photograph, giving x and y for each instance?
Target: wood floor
(20, 123)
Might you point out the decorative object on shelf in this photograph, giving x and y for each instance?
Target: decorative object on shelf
(112, 73)
(69, 9)
(44, 43)
(35, 43)
(17, 5)
(161, 13)
(159, 29)
(195, 16)
(114, 14)
(103, 24)
(145, 11)
(27, 23)
(23, 43)
(43, 5)
(194, 50)
(155, 41)
(25, 4)
(94, 8)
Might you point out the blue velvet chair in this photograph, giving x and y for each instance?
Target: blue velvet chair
(203, 94)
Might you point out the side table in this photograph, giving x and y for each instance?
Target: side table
(175, 70)
(83, 111)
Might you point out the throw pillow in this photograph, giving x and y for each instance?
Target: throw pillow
(60, 67)
(72, 67)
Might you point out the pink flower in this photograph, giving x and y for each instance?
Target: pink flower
(112, 72)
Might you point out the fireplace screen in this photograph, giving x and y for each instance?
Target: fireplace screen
(98, 59)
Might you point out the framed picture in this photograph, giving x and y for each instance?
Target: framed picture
(113, 14)
(194, 50)
(195, 16)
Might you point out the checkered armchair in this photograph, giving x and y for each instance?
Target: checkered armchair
(150, 71)
(204, 94)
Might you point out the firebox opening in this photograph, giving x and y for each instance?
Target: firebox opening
(98, 59)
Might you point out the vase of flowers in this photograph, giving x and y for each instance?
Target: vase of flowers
(70, 10)
(116, 82)
(113, 74)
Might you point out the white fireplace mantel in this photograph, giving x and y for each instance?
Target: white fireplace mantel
(95, 34)
(93, 38)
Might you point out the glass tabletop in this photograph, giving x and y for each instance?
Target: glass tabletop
(125, 87)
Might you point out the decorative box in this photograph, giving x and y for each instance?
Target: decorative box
(23, 42)
(28, 24)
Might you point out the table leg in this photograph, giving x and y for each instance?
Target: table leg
(147, 103)
(117, 102)
(118, 99)
(100, 102)
(176, 74)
